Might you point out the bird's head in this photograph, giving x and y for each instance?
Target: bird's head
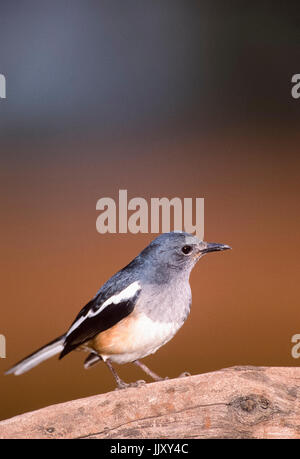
(180, 250)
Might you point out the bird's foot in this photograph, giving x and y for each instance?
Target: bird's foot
(124, 385)
(163, 379)
(184, 374)
(138, 383)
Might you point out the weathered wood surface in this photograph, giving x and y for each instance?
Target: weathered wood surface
(238, 402)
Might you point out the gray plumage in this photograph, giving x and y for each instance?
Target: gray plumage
(152, 294)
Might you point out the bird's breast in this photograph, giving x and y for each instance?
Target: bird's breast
(133, 338)
(156, 318)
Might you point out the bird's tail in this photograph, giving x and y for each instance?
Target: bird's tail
(34, 359)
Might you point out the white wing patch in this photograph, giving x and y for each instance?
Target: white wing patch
(124, 295)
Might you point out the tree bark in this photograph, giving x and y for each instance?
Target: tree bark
(238, 402)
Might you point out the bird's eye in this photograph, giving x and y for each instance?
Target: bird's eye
(186, 249)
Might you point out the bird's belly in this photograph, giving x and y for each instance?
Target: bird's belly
(133, 338)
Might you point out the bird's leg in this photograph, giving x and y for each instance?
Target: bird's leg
(120, 383)
(149, 372)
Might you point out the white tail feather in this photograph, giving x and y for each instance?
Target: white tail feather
(51, 349)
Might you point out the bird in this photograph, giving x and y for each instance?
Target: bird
(137, 311)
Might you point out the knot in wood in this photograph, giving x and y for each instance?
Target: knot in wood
(251, 408)
(247, 404)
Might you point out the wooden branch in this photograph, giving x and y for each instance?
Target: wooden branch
(238, 402)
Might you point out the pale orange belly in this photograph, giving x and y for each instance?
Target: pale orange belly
(132, 338)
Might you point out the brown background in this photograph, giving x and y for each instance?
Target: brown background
(220, 123)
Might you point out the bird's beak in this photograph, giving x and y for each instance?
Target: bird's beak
(206, 247)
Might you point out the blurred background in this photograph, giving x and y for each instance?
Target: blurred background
(173, 98)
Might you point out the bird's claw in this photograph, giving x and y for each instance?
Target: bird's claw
(138, 383)
(124, 385)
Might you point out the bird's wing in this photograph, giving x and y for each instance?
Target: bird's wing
(101, 313)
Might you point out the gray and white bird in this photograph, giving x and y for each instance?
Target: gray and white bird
(138, 310)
